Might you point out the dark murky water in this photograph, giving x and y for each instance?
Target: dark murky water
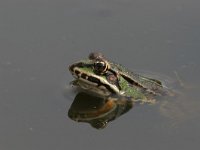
(39, 39)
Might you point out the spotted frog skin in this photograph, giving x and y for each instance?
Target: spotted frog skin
(102, 77)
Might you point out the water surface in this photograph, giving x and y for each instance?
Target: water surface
(39, 39)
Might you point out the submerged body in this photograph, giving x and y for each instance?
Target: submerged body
(106, 79)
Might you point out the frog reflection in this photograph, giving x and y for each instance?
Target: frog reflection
(97, 111)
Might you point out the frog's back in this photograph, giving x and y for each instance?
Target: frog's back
(153, 85)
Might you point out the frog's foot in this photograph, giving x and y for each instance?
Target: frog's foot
(74, 83)
(78, 83)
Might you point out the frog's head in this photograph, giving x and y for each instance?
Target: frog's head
(95, 72)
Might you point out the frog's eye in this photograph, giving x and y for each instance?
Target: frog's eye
(100, 67)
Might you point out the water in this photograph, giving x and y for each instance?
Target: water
(39, 39)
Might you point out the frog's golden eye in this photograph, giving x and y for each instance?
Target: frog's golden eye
(100, 67)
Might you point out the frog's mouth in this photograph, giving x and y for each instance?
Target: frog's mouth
(85, 74)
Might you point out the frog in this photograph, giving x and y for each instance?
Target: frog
(104, 78)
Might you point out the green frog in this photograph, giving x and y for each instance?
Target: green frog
(102, 77)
